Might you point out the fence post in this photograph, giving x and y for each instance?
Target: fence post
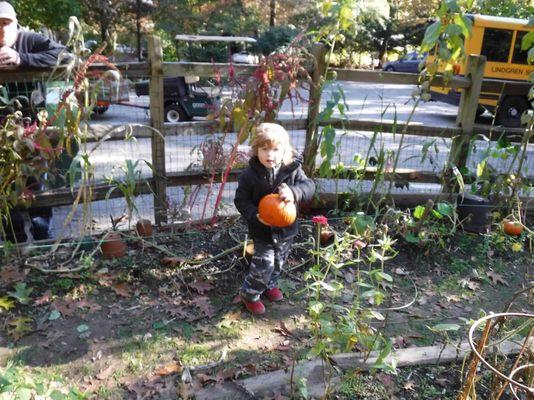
(311, 146)
(155, 59)
(467, 111)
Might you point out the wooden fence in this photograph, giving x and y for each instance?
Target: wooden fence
(472, 83)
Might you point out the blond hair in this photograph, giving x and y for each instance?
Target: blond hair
(273, 135)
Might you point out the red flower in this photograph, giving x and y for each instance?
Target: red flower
(320, 219)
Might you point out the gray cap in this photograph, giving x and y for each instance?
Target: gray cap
(7, 11)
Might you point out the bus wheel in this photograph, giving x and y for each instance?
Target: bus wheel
(510, 110)
(174, 113)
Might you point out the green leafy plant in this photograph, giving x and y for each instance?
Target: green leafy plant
(339, 326)
(21, 293)
(20, 383)
(127, 184)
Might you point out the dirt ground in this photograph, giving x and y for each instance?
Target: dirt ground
(127, 328)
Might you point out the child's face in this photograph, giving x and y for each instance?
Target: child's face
(270, 155)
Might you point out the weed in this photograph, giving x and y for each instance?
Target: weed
(355, 386)
(196, 354)
(451, 285)
(460, 266)
(62, 285)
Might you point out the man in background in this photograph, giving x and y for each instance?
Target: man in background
(26, 49)
(21, 47)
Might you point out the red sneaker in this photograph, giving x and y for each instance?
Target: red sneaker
(274, 294)
(255, 307)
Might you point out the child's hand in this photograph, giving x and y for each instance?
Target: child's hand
(286, 193)
(261, 220)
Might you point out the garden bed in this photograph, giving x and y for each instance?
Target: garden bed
(130, 327)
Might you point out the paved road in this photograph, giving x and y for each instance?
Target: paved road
(365, 102)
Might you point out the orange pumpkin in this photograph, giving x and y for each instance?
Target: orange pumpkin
(512, 228)
(276, 212)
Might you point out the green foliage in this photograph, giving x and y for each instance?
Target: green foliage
(275, 38)
(51, 14)
(338, 324)
(63, 284)
(19, 383)
(127, 184)
(505, 8)
(21, 293)
(445, 37)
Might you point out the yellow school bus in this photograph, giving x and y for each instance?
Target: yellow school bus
(499, 39)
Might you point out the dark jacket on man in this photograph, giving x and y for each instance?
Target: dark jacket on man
(256, 182)
(36, 50)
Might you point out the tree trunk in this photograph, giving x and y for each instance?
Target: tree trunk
(383, 50)
(272, 19)
(103, 30)
(138, 28)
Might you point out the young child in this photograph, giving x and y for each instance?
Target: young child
(273, 168)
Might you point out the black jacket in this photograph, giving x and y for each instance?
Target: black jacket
(36, 50)
(254, 184)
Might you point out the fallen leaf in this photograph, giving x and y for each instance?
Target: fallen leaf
(400, 272)
(172, 368)
(44, 299)
(410, 385)
(282, 330)
(200, 286)
(122, 289)
(203, 378)
(11, 274)
(6, 303)
(64, 306)
(474, 286)
(173, 261)
(229, 319)
(388, 381)
(452, 298)
(251, 369)
(400, 342)
(470, 284)
(18, 327)
(225, 375)
(284, 346)
(106, 372)
(496, 278)
(205, 306)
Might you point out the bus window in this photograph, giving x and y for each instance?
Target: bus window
(520, 56)
(496, 44)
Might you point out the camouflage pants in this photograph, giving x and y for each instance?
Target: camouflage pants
(265, 268)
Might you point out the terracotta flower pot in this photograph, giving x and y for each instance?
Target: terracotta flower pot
(144, 227)
(113, 246)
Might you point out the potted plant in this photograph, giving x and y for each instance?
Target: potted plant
(112, 244)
